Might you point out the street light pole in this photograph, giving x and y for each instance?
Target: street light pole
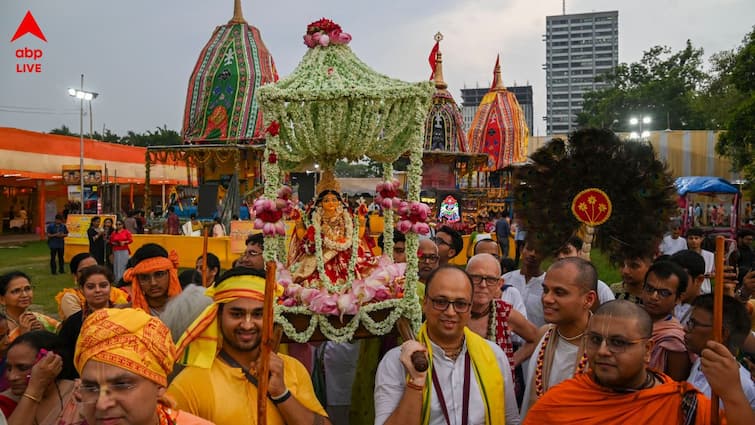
(643, 134)
(81, 146)
(82, 96)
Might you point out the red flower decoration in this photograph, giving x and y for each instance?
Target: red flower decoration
(272, 158)
(323, 24)
(273, 128)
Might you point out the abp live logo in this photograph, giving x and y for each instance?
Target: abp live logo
(29, 60)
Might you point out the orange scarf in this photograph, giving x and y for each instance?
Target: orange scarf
(151, 265)
(581, 400)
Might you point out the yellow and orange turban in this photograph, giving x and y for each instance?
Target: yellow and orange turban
(128, 338)
(202, 341)
(151, 265)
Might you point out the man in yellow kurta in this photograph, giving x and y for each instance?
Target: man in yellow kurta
(221, 351)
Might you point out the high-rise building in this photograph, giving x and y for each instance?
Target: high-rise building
(470, 100)
(578, 48)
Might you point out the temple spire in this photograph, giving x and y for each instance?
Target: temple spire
(238, 16)
(497, 80)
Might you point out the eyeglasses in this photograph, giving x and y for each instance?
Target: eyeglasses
(662, 292)
(614, 344)
(429, 258)
(252, 254)
(90, 393)
(485, 280)
(441, 304)
(18, 291)
(148, 277)
(692, 324)
(440, 241)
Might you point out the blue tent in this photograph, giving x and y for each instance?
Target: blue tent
(703, 184)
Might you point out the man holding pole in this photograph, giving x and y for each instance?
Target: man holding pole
(222, 352)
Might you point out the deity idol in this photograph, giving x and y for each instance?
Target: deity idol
(333, 225)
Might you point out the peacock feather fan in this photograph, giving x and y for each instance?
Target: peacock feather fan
(639, 186)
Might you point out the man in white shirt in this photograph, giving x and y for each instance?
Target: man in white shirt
(673, 242)
(461, 364)
(699, 330)
(694, 265)
(528, 280)
(510, 294)
(569, 292)
(695, 238)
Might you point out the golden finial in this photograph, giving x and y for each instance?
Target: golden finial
(439, 83)
(238, 16)
(497, 80)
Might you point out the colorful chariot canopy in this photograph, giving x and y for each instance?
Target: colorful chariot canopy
(499, 128)
(221, 104)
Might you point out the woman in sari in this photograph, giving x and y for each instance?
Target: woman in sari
(41, 384)
(16, 295)
(95, 284)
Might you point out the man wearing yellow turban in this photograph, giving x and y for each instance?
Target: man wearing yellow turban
(124, 357)
(222, 352)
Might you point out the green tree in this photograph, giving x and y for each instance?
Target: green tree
(63, 130)
(662, 84)
(738, 141)
(162, 137)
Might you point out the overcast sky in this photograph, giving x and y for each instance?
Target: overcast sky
(139, 54)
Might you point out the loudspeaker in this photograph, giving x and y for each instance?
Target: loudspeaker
(208, 200)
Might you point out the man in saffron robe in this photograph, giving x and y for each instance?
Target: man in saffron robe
(468, 379)
(620, 389)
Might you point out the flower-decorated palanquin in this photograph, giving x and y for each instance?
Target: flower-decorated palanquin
(333, 106)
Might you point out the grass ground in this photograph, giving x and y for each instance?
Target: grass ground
(33, 258)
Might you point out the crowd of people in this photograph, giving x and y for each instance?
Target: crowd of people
(137, 342)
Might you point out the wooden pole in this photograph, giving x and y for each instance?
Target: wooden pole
(268, 343)
(718, 305)
(419, 359)
(205, 283)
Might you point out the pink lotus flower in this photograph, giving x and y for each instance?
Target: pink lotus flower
(316, 38)
(293, 290)
(420, 228)
(289, 302)
(363, 293)
(383, 294)
(347, 304)
(324, 40)
(309, 41)
(404, 226)
(324, 303)
(285, 192)
(306, 295)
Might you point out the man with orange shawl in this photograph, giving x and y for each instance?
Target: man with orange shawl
(221, 350)
(621, 389)
(124, 357)
(153, 278)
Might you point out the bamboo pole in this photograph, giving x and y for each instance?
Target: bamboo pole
(718, 303)
(205, 283)
(268, 343)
